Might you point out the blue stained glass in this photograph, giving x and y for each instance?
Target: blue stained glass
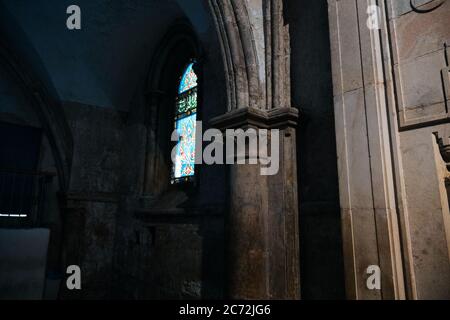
(189, 79)
(184, 165)
(185, 125)
(187, 103)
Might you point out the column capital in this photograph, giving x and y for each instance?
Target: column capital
(250, 117)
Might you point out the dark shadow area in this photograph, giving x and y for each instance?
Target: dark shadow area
(321, 259)
(171, 246)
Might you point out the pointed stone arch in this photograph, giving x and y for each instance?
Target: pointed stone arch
(238, 52)
(47, 108)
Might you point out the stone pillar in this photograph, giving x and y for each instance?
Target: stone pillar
(364, 147)
(262, 222)
(246, 229)
(283, 231)
(262, 244)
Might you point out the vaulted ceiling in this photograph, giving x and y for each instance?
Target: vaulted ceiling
(103, 63)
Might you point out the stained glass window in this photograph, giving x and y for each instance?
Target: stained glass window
(189, 79)
(185, 125)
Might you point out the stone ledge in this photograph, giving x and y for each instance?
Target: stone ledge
(178, 215)
(251, 117)
(86, 196)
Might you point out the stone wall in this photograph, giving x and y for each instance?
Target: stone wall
(391, 94)
(266, 64)
(98, 76)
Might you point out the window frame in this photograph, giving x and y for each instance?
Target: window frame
(187, 181)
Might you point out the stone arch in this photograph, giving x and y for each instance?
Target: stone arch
(181, 30)
(165, 64)
(46, 106)
(239, 53)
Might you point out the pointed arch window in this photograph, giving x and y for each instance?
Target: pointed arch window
(185, 124)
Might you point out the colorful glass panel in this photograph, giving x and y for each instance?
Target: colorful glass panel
(185, 125)
(185, 149)
(187, 103)
(189, 79)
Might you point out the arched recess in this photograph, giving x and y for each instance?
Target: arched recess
(192, 205)
(24, 68)
(244, 88)
(46, 107)
(180, 31)
(178, 46)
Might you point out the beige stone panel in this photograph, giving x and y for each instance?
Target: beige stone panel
(365, 250)
(370, 43)
(444, 188)
(369, 228)
(342, 146)
(389, 254)
(348, 46)
(379, 138)
(418, 34)
(423, 197)
(359, 243)
(421, 81)
(421, 94)
(397, 8)
(422, 114)
(348, 243)
(401, 7)
(357, 152)
(384, 193)
(358, 220)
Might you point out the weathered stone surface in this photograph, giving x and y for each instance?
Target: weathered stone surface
(419, 41)
(427, 224)
(390, 184)
(373, 170)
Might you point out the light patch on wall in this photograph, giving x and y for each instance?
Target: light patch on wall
(4, 215)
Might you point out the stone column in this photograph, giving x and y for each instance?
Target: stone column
(262, 244)
(365, 161)
(283, 232)
(262, 222)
